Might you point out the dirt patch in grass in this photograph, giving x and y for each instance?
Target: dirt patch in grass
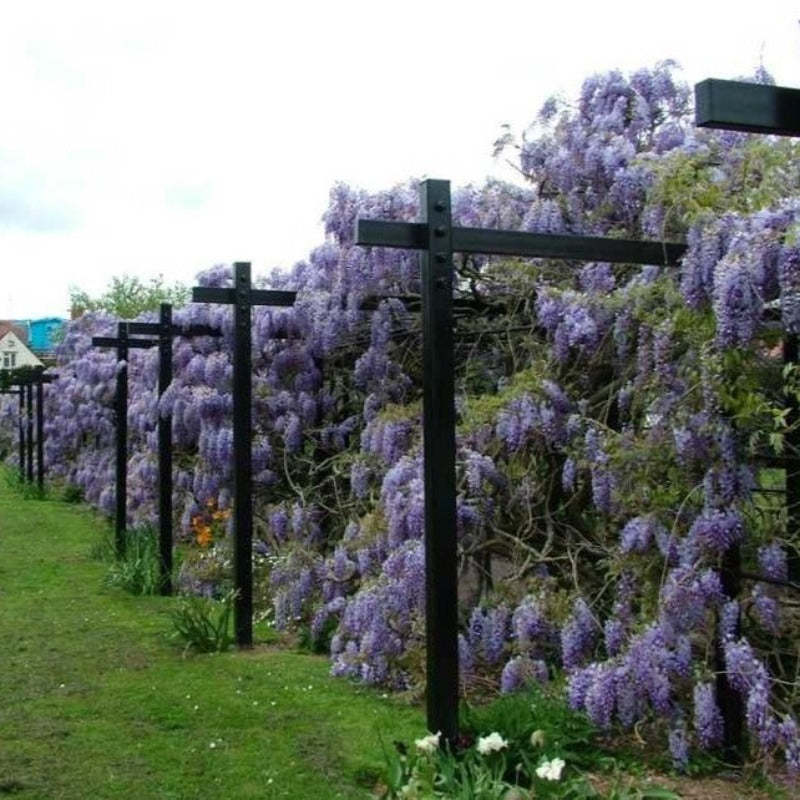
(732, 787)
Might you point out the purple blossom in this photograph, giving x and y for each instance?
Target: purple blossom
(495, 633)
(708, 723)
(772, 561)
(715, 531)
(578, 636)
(614, 635)
(520, 671)
(790, 288)
(466, 659)
(529, 622)
(744, 670)
(568, 475)
(766, 609)
(640, 533)
(729, 616)
(789, 734)
(679, 746)
(600, 698)
(688, 595)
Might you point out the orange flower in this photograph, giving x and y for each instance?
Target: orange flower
(204, 536)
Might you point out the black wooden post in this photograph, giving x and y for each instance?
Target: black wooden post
(165, 451)
(121, 415)
(123, 344)
(729, 699)
(243, 297)
(439, 440)
(29, 425)
(435, 236)
(166, 331)
(21, 427)
(40, 433)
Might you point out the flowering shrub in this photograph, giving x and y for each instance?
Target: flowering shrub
(611, 420)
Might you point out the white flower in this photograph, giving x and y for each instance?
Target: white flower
(488, 744)
(551, 770)
(429, 743)
(537, 739)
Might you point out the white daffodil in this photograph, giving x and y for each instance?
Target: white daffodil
(429, 743)
(551, 770)
(488, 744)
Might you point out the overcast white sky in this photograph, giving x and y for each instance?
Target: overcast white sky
(162, 137)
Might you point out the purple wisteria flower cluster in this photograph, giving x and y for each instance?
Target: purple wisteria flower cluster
(608, 419)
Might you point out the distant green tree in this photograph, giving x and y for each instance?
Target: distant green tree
(128, 296)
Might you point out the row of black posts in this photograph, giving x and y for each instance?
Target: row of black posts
(719, 104)
(25, 382)
(243, 296)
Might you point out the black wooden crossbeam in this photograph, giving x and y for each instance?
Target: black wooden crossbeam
(747, 107)
(159, 328)
(165, 330)
(437, 239)
(243, 297)
(123, 343)
(412, 236)
(257, 297)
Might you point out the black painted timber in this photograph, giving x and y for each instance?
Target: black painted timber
(29, 423)
(257, 297)
(243, 297)
(123, 343)
(40, 434)
(21, 426)
(165, 452)
(243, 457)
(747, 107)
(411, 235)
(165, 330)
(121, 413)
(439, 426)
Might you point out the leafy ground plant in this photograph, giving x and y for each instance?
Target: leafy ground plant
(136, 571)
(202, 624)
(520, 746)
(486, 770)
(539, 715)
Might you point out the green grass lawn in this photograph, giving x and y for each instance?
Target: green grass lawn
(96, 701)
